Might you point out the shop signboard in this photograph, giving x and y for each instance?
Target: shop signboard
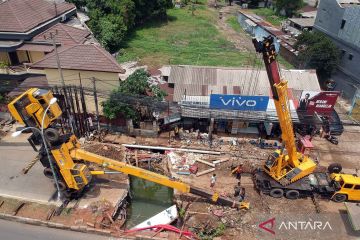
(319, 102)
(238, 102)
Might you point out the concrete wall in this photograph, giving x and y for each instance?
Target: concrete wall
(329, 20)
(4, 57)
(329, 16)
(107, 81)
(36, 56)
(105, 84)
(23, 57)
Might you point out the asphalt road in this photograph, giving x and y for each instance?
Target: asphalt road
(33, 186)
(19, 231)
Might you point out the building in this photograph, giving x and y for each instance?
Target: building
(339, 20)
(20, 21)
(30, 30)
(195, 89)
(82, 64)
(296, 25)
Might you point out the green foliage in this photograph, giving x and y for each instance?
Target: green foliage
(289, 6)
(111, 20)
(2, 99)
(270, 15)
(3, 65)
(135, 85)
(234, 24)
(212, 233)
(253, 3)
(184, 39)
(317, 51)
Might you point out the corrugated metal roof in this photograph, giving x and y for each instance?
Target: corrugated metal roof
(190, 81)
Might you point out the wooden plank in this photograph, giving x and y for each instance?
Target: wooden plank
(220, 161)
(136, 157)
(205, 162)
(205, 172)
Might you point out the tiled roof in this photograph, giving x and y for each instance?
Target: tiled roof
(82, 57)
(66, 35)
(23, 15)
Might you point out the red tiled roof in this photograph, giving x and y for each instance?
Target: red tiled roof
(23, 15)
(66, 35)
(82, 57)
(36, 47)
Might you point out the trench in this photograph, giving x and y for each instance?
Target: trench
(147, 199)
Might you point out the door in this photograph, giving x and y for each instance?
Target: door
(356, 193)
(14, 59)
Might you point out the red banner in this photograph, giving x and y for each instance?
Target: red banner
(320, 102)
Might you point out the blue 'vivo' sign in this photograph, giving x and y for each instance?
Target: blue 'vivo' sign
(238, 102)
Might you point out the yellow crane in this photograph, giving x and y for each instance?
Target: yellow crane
(288, 172)
(70, 161)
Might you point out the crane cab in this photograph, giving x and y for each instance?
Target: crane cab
(349, 187)
(28, 109)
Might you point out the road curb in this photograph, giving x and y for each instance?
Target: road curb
(49, 224)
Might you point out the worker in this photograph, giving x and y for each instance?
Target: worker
(213, 180)
(238, 172)
(237, 189)
(176, 130)
(242, 195)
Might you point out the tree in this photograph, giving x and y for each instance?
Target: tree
(133, 94)
(111, 20)
(317, 51)
(289, 6)
(253, 3)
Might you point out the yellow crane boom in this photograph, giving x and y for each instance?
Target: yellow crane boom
(70, 160)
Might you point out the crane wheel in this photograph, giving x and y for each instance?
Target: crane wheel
(277, 193)
(334, 168)
(292, 194)
(339, 198)
(52, 135)
(48, 173)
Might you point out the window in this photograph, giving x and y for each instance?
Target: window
(357, 187)
(350, 56)
(343, 23)
(348, 185)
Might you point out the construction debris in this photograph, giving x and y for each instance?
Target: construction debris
(171, 149)
(205, 162)
(205, 172)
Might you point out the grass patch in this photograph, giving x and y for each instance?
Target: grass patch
(269, 16)
(234, 24)
(183, 39)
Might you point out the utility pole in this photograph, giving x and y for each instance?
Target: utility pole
(168, 113)
(96, 102)
(52, 38)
